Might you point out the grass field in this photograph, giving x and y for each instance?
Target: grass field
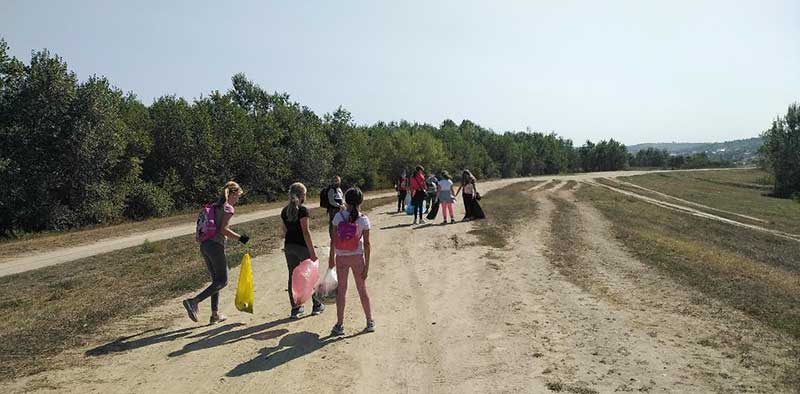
(729, 191)
(53, 309)
(753, 271)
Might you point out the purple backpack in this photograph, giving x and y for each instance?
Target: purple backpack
(206, 224)
(347, 235)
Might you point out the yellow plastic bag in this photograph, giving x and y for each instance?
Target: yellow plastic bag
(244, 292)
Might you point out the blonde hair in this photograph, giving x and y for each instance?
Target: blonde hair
(230, 187)
(296, 191)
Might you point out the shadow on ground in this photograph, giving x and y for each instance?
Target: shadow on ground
(222, 335)
(137, 341)
(291, 347)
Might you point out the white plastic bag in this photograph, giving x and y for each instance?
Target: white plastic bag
(328, 286)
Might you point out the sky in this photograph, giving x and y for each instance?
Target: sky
(636, 71)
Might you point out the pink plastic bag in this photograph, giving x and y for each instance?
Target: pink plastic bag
(304, 278)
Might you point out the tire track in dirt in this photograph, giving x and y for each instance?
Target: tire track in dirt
(692, 203)
(648, 333)
(695, 212)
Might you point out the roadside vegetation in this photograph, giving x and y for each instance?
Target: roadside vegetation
(125, 160)
(754, 272)
(49, 310)
(781, 153)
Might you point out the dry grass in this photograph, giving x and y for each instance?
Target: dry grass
(505, 208)
(706, 209)
(752, 271)
(717, 189)
(565, 247)
(53, 309)
(551, 185)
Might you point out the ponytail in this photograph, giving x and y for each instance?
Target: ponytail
(354, 197)
(296, 192)
(229, 187)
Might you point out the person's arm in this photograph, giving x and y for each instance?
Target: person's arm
(226, 229)
(367, 251)
(459, 190)
(307, 236)
(332, 254)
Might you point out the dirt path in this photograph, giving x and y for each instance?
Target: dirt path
(452, 317)
(626, 328)
(22, 263)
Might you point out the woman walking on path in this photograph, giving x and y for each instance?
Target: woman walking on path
(297, 244)
(350, 250)
(213, 251)
(402, 188)
(418, 193)
(471, 196)
(446, 198)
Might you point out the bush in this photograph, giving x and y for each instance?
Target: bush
(147, 200)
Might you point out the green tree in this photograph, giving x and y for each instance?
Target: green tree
(781, 152)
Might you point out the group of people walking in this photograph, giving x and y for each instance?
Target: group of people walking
(343, 213)
(344, 217)
(431, 190)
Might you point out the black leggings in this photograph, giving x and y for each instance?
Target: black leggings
(417, 200)
(401, 200)
(214, 255)
(295, 254)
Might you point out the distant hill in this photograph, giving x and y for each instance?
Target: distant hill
(738, 151)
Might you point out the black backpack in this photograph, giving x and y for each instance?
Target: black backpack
(323, 198)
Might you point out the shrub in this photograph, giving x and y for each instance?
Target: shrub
(147, 200)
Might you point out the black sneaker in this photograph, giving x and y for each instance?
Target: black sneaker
(298, 312)
(191, 309)
(317, 310)
(337, 330)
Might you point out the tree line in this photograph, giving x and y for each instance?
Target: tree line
(74, 153)
(661, 158)
(781, 153)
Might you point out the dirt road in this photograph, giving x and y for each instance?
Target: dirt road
(453, 317)
(27, 262)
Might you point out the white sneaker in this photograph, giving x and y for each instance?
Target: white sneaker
(422, 221)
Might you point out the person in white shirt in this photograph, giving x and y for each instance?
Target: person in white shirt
(350, 249)
(444, 189)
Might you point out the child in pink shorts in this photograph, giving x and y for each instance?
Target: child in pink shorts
(350, 250)
(446, 199)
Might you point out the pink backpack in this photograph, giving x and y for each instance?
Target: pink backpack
(347, 235)
(206, 224)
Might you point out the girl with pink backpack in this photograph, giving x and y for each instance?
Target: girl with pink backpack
(350, 250)
(213, 229)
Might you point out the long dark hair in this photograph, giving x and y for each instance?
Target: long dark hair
(467, 177)
(354, 197)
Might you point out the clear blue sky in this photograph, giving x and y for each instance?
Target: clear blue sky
(638, 71)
